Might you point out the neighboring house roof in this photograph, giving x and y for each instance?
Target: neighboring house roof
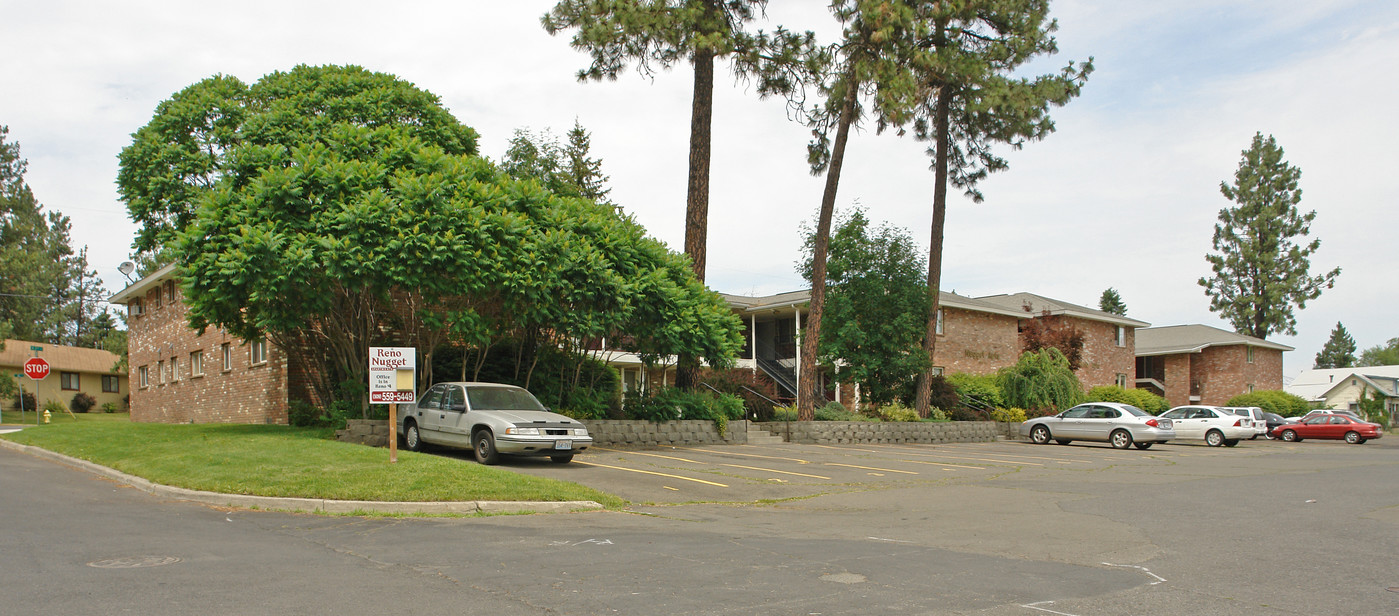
(60, 358)
(138, 289)
(1029, 304)
(1317, 384)
(1173, 339)
(803, 297)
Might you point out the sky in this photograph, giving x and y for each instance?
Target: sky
(1125, 193)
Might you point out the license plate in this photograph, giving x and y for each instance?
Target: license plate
(563, 444)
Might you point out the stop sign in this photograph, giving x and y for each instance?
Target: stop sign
(36, 368)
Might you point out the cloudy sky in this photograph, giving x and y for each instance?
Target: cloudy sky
(1124, 195)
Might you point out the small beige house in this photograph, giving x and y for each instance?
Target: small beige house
(1341, 388)
(72, 370)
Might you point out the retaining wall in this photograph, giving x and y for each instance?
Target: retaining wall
(855, 432)
(372, 432)
(627, 432)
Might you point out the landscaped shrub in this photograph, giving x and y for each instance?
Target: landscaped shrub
(744, 383)
(28, 399)
(1008, 415)
(109, 407)
(1040, 381)
(1273, 401)
(303, 414)
(784, 413)
(1139, 398)
(981, 390)
(835, 411)
(54, 407)
(894, 411)
(82, 402)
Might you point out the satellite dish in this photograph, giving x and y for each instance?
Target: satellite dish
(126, 268)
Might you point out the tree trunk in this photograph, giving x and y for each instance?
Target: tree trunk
(697, 197)
(809, 387)
(925, 380)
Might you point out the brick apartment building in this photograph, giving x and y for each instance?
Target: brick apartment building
(1199, 364)
(181, 376)
(1109, 340)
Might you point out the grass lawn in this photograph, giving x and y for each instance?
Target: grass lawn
(283, 461)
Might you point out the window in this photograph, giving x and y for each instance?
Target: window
(155, 300)
(134, 308)
(1250, 355)
(257, 351)
(174, 369)
(160, 370)
(196, 363)
(144, 374)
(111, 384)
(1122, 380)
(939, 331)
(170, 292)
(937, 370)
(1121, 336)
(227, 356)
(1250, 388)
(68, 380)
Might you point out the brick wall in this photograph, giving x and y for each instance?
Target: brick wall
(1223, 372)
(1177, 379)
(976, 342)
(1102, 358)
(244, 393)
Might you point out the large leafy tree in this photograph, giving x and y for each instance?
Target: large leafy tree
(657, 35)
(1386, 354)
(1262, 255)
(1339, 350)
(968, 58)
(874, 306)
(350, 210)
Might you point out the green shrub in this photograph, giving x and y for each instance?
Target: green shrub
(82, 402)
(744, 383)
(1139, 398)
(109, 407)
(28, 401)
(980, 390)
(1008, 415)
(54, 407)
(303, 414)
(784, 413)
(669, 403)
(1040, 380)
(937, 414)
(1273, 401)
(835, 411)
(894, 411)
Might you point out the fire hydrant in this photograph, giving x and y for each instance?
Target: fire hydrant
(46, 415)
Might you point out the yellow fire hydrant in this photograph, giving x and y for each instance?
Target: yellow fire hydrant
(46, 415)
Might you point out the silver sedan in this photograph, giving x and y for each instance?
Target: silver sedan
(1122, 425)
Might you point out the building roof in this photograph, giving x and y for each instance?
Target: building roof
(1317, 383)
(60, 358)
(1173, 339)
(1029, 304)
(138, 289)
(801, 298)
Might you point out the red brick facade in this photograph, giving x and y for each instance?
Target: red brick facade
(1221, 372)
(976, 342)
(180, 376)
(1105, 362)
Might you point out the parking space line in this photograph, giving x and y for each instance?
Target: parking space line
(636, 470)
(979, 468)
(654, 455)
(773, 470)
(754, 455)
(871, 468)
(943, 455)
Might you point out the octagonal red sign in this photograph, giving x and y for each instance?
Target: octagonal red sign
(36, 368)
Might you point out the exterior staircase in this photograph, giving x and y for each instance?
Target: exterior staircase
(758, 435)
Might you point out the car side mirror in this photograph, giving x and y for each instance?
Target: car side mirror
(461, 406)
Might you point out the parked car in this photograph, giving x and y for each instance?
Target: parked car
(1330, 426)
(1215, 425)
(1274, 420)
(1255, 414)
(1316, 412)
(1122, 425)
(491, 419)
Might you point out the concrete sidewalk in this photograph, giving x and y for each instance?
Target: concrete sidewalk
(311, 505)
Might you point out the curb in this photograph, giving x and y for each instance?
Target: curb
(312, 505)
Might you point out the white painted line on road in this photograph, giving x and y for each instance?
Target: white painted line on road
(979, 468)
(773, 470)
(1032, 607)
(872, 468)
(753, 455)
(1159, 579)
(889, 540)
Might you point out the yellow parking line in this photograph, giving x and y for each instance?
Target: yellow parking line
(656, 455)
(772, 470)
(871, 468)
(634, 470)
(1016, 455)
(979, 468)
(754, 455)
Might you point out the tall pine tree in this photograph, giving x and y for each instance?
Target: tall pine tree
(1339, 350)
(1260, 268)
(1111, 302)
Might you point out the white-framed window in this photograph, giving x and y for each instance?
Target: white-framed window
(938, 328)
(1250, 388)
(1122, 380)
(257, 351)
(160, 371)
(1250, 355)
(227, 356)
(937, 371)
(196, 363)
(1121, 336)
(170, 292)
(144, 376)
(174, 369)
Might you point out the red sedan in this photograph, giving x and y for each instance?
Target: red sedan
(1337, 427)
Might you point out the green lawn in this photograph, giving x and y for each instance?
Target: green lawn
(283, 461)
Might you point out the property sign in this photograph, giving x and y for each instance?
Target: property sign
(36, 368)
(393, 375)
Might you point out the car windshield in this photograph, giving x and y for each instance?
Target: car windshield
(501, 399)
(1135, 411)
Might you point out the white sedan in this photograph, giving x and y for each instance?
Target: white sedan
(1217, 426)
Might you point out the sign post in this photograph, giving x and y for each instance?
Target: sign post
(37, 369)
(393, 381)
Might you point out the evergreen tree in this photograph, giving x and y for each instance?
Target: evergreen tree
(565, 170)
(1111, 303)
(1260, 271)
(584, 173)
(1339, 350)
(36, 261)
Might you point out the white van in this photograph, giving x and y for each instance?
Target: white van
(1260, 421)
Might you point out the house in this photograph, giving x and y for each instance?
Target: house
(1109, 340)
(179, 375)
(72, 370)
(1341, 388)
(1199, 364)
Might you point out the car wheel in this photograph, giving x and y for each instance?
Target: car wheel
(1062, 441)
(1290, 436)
(564, 458)
(483, 445)
(1143, 445)
(411, 437)
(1214, 438)
(1353, 438)
(1120, 439)
(1040, 435)
(1231, 442)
